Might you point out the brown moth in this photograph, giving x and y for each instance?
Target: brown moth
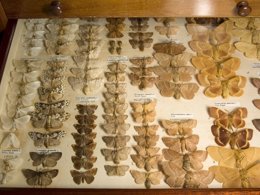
(46, 159)
(182, 144)
(219, 87)
(206, 21)
(116, 155)
(115, 76)
(179, 127)
(217, 52)
(256, 83)
(117, 141)
(86, 150)
(139, 21)
(250, 50)
(112, 107)
(117, 119)
(83, 176)
(115, 30)
(143, 61)
(141, 44)
(148, 130)
(86, 119)
(167, 30)
(147, 178)
(256, 123)
(86, 109)
(39, 178)
(84, 128)
(140, 36)
(146, 141)
(116, 87)
(198, 179)
(144, 107)
(256, 102)
(142, 71)
(165, 20)
(192, 160)
(146, 151)
(170, 89)
(228, 120)
(86, 163)
(117, 67)
(170, 48)
(46, 139)
(46, 108)
(146, 162)
(118, 98)
(140, 117)
(142, 82)
(114, 128)
(84, 139)
(116, 170)
(236, 139)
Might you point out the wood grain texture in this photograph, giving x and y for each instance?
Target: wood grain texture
(21, 191)
(125, 8)
(3, 18)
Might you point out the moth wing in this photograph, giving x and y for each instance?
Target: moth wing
(172, 143)
(172, 156)
(170, 126)
(203, 63)
(77, 176)
(191, 142)
(250, 50)
(243, 137)
(163, 59)
(155, 177)
(32, 177)
(256, 82)
(138, 160)
(166, 88)
(37, 158)
(256, 123)
(196, 159)
(198, 32)
(116, 170)
(10, 141)
(230, 66)
(202, 48)
(75, 83)
(222, 135)
(254, 176)
(229, 177)
(139, 177)
(51, 159)
(202, 178)
(188, 90)
(224, 156)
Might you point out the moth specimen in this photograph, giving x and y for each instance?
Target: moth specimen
(144, 107)
(141, 40)
(117, 119)
(220, 34)
(115, 27)
(144, 117)
(116, 128)
(177, 90)
(174, 67)
(83, 176)
(225, 88)
(256, 103)
(117, 141)
(192, 160)
(86, 163)
(115, 47)
(84, 128)
(113, 107)
(247, 177)
(84, 139)
(146, 162)
(165, 20)
(256, 123)
(236, 139)
(234, 158)
(10, 141)
(170, 48)
(86, 109)
(206, 21)
(146, 141)
(224, 69)
(46, 139)
(148, 130)
(146, 152)
(228, 120)
(256, 83)
(86, 119)
(116, 155)
(45, 159)
(85, 150)
(182, 143)
(179, 127)
(40, 178)
(117, 170)
(167, 30)
(147, 178)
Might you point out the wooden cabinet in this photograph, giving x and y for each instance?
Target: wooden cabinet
(14, 9)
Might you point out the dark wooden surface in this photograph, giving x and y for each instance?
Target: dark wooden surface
(125, 8)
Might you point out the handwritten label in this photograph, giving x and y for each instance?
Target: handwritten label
(87, 99)
(117, 58)
(144, 96)
(181, 116)
(11, 151)
(227, 104)
(45, 150)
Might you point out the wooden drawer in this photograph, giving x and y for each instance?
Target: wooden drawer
(124, 8)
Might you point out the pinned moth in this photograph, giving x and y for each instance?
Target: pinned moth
(45, 159)
(83, 176)
(116, 170)
(116, 155)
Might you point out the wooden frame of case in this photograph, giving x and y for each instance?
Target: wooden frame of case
(9, 11)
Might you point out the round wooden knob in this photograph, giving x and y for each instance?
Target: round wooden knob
(243, 8)
(56, 8)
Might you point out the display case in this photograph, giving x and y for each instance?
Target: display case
(130, 97)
